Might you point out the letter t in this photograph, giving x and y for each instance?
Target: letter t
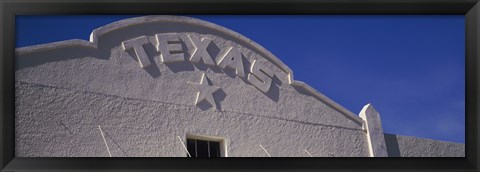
(137, 45)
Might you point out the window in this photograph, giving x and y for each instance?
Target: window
(205, 146)
(202, 148)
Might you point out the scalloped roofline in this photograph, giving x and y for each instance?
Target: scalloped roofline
(96, 33)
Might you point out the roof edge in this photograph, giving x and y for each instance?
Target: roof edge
(96, 33)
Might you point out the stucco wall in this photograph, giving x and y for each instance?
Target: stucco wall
(63, 122)
(407, 146)
(64, 91)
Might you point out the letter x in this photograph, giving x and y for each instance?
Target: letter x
(200, 51)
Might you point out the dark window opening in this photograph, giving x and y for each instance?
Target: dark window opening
(203, 148)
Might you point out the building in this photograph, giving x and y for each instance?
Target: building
(173, 86)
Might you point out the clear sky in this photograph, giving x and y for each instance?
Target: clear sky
(411, 68)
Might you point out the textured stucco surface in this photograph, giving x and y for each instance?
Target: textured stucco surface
(65, 90)
(63, 94)
(63, 122)
(407, 146)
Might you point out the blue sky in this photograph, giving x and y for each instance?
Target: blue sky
(411, 68)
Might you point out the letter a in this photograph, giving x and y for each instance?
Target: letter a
(232, 59)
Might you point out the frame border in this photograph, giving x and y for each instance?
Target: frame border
(9, 9)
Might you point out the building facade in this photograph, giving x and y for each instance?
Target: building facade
(171, 86)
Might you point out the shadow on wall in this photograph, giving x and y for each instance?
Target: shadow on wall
(153, 69)
(392, 145)
(114, 38)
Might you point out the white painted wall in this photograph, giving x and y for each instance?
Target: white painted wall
(65, 90)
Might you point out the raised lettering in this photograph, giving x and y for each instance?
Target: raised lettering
(137, 45)
(232, 59)
(200, 50)
(260, 76)
(170, 48)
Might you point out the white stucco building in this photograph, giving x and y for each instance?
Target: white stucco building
(173, 86)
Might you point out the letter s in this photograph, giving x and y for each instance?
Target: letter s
(260, 76)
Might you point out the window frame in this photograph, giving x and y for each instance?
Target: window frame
(222, 142)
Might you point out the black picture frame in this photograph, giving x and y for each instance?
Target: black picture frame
(9, 9)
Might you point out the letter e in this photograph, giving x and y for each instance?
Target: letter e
(170, 47)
